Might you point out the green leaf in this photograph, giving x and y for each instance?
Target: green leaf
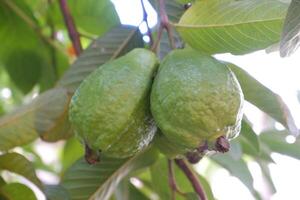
(84, 181)
(73, 150)
(56, 192)
(51, 118)
(94, 16)
(227, 26)
(291, 30)
(2, 181)
(126, 191)
(115, 43)
(18, 164)
(238, 169)
(275, 140)
(41, 117)
(264, 99)
(267, 176)
(16, 191)
(159, 176)
(25, 56)
(249, 136)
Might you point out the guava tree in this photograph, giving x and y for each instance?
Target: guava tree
(48, 47)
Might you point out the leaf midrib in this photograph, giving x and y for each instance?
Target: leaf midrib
(225, 25)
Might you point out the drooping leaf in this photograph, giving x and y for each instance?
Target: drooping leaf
(267, 176)
(237, 168)
(51, 118)
(115, 43)
(16, 191)
(84, 181)
(40, 117)
(263, 98)
(160, 184)
(18, 164)
(56, 192)
(227, 26)
(291, 30)
(275, 140)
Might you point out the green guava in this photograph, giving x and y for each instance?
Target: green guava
(196, 100)
(110, 111)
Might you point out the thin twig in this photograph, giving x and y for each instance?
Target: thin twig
(145, 19)
(32, 24)
(191, 176)
(164, 24)
(73, 34)
(52, 37)
(172, 181)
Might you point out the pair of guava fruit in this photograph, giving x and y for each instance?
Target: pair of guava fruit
(193, 99)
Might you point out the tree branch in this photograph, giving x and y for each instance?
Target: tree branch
(145, 19)
(164, 24)
(191, 176)
(69, 22)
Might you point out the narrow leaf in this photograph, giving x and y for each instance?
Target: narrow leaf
(227, 26)
(248, 135)
(236, 168)
(16, 191)
(113, 44)
(290, 38)
(84, 181)
(18, 164)
(275, 140)
(264, 99)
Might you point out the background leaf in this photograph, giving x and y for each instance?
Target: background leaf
(29, 121)
(291, 30)
(18, 164)
(264, 99)
(237, 168)
(16, 191)
(84, 181)
(115, 43)
(56, 192)
(237, 27)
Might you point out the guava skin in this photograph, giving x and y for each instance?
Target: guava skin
(110, 111)
(196, 99)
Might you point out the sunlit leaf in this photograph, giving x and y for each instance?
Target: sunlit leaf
(18, 164)
(290, 38)
(84, 181)
(237, 27)
(115, 43)
(16, 191)
(94, 16)
(263, 98)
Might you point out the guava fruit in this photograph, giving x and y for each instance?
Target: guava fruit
(110, 111)
(196, 102)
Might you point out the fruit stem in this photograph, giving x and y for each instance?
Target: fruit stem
(91, 156)
(163, 24)
(145, 19)
(192, 178)
(69, 22)
(172, 181)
